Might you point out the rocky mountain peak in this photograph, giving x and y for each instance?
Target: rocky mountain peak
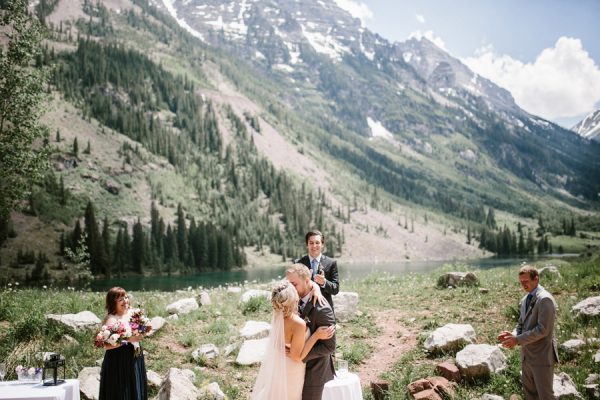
(589, 127)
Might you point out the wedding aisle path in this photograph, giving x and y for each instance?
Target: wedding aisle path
(395, 340)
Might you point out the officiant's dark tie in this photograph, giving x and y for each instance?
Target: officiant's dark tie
(528, 301)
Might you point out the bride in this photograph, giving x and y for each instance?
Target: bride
(281, 377)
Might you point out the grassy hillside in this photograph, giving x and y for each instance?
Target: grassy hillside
(160, 117)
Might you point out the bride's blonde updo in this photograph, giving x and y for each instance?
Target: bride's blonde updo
(284, 298)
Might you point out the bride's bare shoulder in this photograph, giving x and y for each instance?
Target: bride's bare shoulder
(297, 321)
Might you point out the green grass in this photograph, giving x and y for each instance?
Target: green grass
(25, 331)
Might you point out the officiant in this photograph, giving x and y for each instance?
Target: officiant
(324, 270)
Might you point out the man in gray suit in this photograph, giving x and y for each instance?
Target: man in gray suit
(319, 362)
(535, 333)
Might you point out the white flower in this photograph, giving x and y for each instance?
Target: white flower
(31, 371)
(112, 340)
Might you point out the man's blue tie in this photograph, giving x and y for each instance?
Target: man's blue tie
(313, 264)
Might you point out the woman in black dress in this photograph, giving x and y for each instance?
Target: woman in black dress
(123, 373)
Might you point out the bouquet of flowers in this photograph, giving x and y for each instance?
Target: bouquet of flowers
(139, 323)
(116, 333)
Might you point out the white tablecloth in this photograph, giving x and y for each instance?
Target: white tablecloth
(13, 390)
(343, 388)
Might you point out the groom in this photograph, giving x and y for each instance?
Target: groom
(319, 362)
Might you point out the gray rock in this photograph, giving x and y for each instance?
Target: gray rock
(589, 307)
(572, 346)
(249, 294)
(212, 391)
(455, 279)
(205, 352)
(178, 386)
(89, 382)
(229, 349)
(204, 299)
(549, 271)
(173, 317)
(157, 323)
(564, 387)
(112, 186)
(79, 321)
(255, 330)
(154, 379)
(480, 360)
(591, 379)
(234, 289)
(597, 357)
(183, 306)
(346, 306)
(450, 337)
(252, 351)
(491, 397)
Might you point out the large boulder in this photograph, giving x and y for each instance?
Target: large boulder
(204, 299)
(455, 279)
(252, 351)
(249, 294)
(564, 387)
(205, 352)
(255, 330)
(154, 379)
(212, 391)
(450, 337)
(157, 323)
(488, 396)
(178, 385)
(574, 346)
(589, 307)
(346, 306)
(89, 382)
(183, 306)
(79, 321)
(480, 361)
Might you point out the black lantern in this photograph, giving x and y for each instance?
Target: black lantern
(52, 368)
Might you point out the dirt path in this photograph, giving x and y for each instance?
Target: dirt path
(394, 341)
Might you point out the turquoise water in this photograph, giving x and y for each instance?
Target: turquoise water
(352, 271)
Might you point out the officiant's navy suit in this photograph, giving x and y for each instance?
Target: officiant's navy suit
(332, 280)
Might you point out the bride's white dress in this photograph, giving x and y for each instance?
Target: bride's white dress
(279, 377)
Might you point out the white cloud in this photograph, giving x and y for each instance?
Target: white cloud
(563, 81)
(420, 18)
(356, 9)
(430, 36)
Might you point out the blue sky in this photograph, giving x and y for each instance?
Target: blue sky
(545, 52)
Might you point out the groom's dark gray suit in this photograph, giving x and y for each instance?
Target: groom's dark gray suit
(319, 361)
(332, 280)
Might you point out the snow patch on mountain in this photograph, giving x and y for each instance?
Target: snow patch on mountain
(378, 130)
(324, 44)
(589, 127)
(171, 9)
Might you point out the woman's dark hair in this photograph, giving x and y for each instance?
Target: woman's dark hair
(112, 297)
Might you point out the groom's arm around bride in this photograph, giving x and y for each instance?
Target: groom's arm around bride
(319, 362)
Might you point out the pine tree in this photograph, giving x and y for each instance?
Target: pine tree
(75, 150)
(94, 242)
(57, 136)
(181, 233)
(138, 247)
(22, 93)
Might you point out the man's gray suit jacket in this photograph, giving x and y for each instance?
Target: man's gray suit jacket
(535, 330)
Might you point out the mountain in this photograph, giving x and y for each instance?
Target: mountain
(330, 66)
(216, 133)
(589, 127)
